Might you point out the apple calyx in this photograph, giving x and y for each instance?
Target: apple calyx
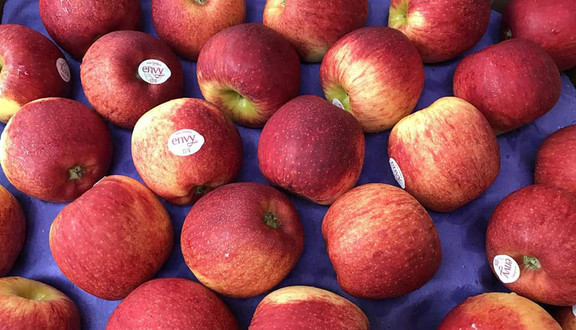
(201, 2)
(531, 262)
(200, 190)
(271, 220)
(508, 34)
(76, 172)
(398, 15)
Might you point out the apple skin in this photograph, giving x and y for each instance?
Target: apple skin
(314, 26)
(312, 149)
(550, 24)
(524, 85)
(366, 232)
(498, 311)
(55, 149)
(12, 230)
(76, 24)
(448, 154)
(306, 307)
(242, 239)
(377, 75)
(113, 238)
(28, 62)
(184, 179)
(556, 158)
(565, 316)
(248, 71)
(536, 226)
(171, 303)
(440, 29)
(28, 304)
(111, 80)
(186, 25)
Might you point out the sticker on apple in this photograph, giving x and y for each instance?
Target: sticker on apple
(397, 173)
(63, 69)
(506, 268)
(337, 103)
(185, 142)
(574, 310)
(154, 72)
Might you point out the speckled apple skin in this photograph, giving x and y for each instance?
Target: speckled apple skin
(306, 307)
(109, 74)
(174, 177)
(448, 154)
(512, 83)
(556, 158)
(381, 241)
(312, 149)
(229, 248)
(172, 303)
(540, 222)
(565, 317)
(12, 230)
(47, 138)
(113, 238)
(498, 311)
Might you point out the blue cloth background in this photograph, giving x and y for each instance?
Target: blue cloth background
(464, 270)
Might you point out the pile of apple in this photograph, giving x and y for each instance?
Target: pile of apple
(242, 239)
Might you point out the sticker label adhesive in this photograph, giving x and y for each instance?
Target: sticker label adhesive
(506, 268)
(185, 142)
(63, 69)
(397, 173)
(154, 72)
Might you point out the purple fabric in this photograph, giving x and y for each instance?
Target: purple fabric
(464, 271)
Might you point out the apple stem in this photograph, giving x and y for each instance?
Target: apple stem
(283, 3)
(271, 220)
(76, 172)
(531, 262)
(201, 2)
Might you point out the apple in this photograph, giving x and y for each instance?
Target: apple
(531, 244)
(376, 74)
(314, 26)
(113, 238)
(55, 149)
(524, 83)
(440, 29)
(566, 317)
(186, 25)
(550, 24)
(445, 155)
(184, 148)
(12, 230)
(497, 310)
(556, 158)
(76, 24)
(127, 73)
(307, 307)
(171, 303)
(248, 71)
(366, 231)
(242, 239)
(32, 67)
(312, 149)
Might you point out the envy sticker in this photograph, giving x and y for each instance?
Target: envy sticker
(185, 142)
(63, 69)
(506, 268)
(574, 310)
(397, 173)
(154, 72)
(337, 103)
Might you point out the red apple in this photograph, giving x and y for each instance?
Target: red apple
(566, 317)
(496, 310)
(12, 230)
(440, 29)
(171, 303)
(550, 24)
(531, 244)
(242, 239)
(184, 148)
(249, 71)
(376, 74)
(512, 83)
(314, 26)
(366, 231)
(312, 149)
(306, 307)
(113, 238)
(126, 73)
(32, 68)
(55, 149)
(186, 25)
(76, 24)
(556, 159)
(445, 155)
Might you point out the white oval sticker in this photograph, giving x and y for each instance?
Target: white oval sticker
(337, 103)
(185, 142)
(154, 72)
(63, 69)
(574, 310)
(506, 268)
(397, 173)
